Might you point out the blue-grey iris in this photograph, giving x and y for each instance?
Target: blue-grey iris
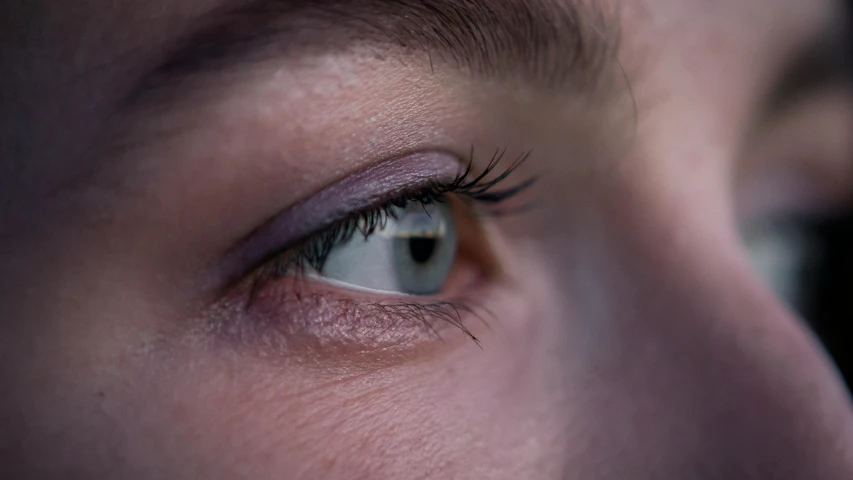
(413, 254)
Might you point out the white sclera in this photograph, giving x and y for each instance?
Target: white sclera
(413, 254)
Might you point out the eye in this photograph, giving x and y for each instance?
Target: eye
(412, 253)
(356, 268)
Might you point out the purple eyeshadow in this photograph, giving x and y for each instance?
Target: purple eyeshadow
(361, 190)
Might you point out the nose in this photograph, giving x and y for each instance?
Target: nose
(700, 372)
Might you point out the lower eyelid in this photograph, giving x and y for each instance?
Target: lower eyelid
(292, 315)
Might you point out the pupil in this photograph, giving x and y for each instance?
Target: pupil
(422, 248)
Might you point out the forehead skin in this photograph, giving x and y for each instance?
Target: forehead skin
(75, 77)
(660, 398)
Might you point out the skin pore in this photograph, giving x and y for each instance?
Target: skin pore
(620, 330)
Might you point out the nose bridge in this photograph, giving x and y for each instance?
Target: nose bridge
(718, 365)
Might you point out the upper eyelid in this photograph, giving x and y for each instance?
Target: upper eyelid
(354, 193)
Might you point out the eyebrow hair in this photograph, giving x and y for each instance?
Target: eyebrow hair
(555, 44)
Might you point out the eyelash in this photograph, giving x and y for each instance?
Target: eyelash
(476, 189)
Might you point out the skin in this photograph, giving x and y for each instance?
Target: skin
(631, 338)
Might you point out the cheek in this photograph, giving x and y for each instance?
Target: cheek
(456, 410)
(435, 418)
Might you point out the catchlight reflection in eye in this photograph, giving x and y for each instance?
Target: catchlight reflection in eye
(412, 254)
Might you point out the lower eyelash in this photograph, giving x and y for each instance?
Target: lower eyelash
(427, 313)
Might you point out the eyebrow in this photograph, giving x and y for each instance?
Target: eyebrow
(554, 44)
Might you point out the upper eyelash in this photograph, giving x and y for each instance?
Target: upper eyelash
(313, 251)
